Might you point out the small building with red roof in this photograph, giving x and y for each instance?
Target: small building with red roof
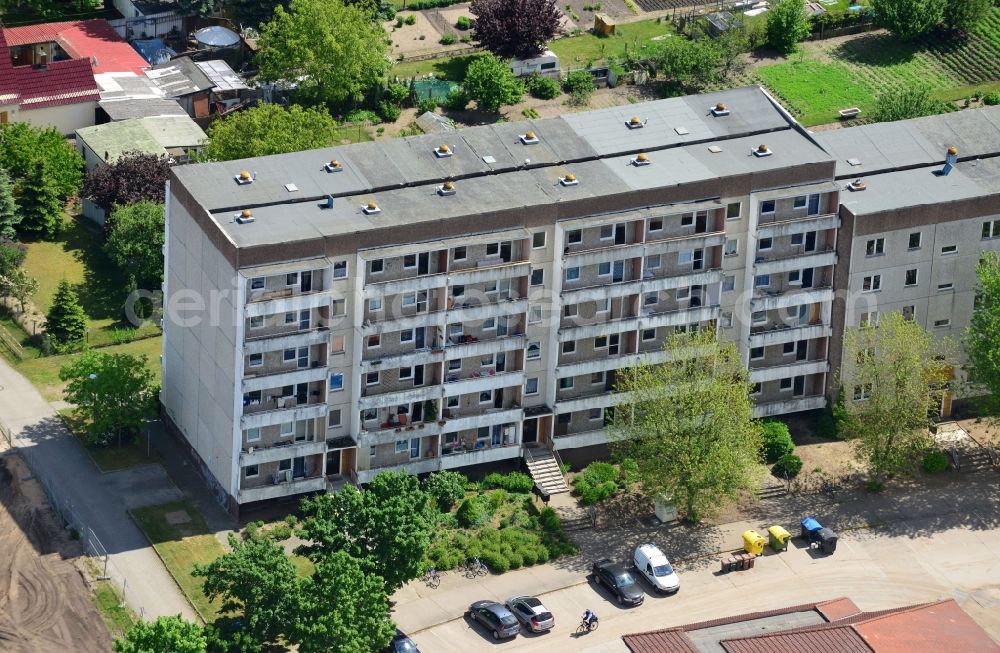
(94, 40)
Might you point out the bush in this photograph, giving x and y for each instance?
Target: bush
(291, 520)
(992, 98)
(579, 85)
(599, 472)
(463, 23)
(935, 462)
(543, 88)
(549, 520)
(411, 19)
(517, 482)
(427, 104)
(777, 440)
(279, 532)
(495, 560)
(789, 465)
(445, 488)
(629, 471)
(362, 115)
(397, 93)
(448, 39)
(590, 494)
(457, 100)
(472, 513)
(390, 112)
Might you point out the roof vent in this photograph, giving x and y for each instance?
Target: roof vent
(681, 131)
(950, 159)
(327, 203)
(245, 178)
(371, 208)
(291, 188)
(636, 123)
(719, 110)
(334, 166)
(244, 217)
(569, 180)
(762, 150)
(854, 162)
(856, 185)
(714, 149)
(529, 138)
(641, 159)
(447, 188)
(442, 151)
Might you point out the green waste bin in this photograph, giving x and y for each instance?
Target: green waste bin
(778, 538)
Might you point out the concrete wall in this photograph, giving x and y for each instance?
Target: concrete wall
(66, 118)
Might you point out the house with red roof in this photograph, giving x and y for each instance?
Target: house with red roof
(95, 40)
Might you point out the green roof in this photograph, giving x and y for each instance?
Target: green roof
(149, 135)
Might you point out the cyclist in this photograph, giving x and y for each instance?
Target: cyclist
(589, 618)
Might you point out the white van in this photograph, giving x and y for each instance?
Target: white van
(545, 64)
(650, 562)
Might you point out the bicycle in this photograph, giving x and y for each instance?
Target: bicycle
(432, 577)
(586, 626)
(475, 568)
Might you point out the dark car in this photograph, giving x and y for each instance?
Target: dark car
(530, 612)
(401, 644)
(495, 617)
(621, 583)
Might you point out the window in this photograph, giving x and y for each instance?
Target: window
(454, 364)
(607, 232)
(574, 237)
(862, 392)
(569, 347)
(733, 210)
(727, 320)
(911, 277)
(757, 387)
(732, 247)
(376, 265)
(653, 262)
(531, 386)
(871, 283)
(784, 384)
(257, 283)
(257, 322)
(534, 314)
(371, 451)
(372, 378)
(595, 414)
(286, 429)
(767, 206)
(457, 290)
(875, 247)
(759, 317)
(914, 240)
(564, 418)
(728, 283)
(600, 342)
(252, 435)
(489, 323)
(648, 334)
(289, 318)
(795, 276)
(459, 253)
(571, 310)
(409, 299)
(946, 286)
(340, 270)
(869, 319)
(756, 353)
(682, 293)
(256, 360)
(288, 355)
(604, 269)
(650, 298)
(534, 350)
(788, 348)
(597, 378)
(336, 382)
(799, 202)
(493, 249)
(333, 419)
(909, 312)
(567, 383)
(797, 239)
(375, 340)
(537, 277)
(375, 304)
(991, 229)
(292, 278)
(685, 256)
(405, 373)
(453, 402)
(687, 219)
(765, 243)
(538, 240)
(949, 249)
(406, 335)
(486, 396)
(369, 414)
(602, 305)
(572, 274)
(410, 261)
(762, 280)
(942, 323)
(337, 345)
(250, 471)
(402, 446)
(656, 224)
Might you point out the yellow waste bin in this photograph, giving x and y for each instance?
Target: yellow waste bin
(753, 543)
(778, 538)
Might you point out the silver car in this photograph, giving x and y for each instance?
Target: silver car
(530, 612)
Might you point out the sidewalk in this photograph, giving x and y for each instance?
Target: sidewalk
(59, 460)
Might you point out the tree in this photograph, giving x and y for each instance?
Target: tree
(490, 82)
(963, 15)
(66, 323)
(41, 208)
(135, 242)
(200, 8)
(252, 13)
(134, 177)
(256, 582)
(11, 255)
(384, 526)
(514, 29)
(165, 635)
(579, 85)
(689, 425)
(269, 129)
(982, 338)
(445, 488)
(908, 19)
(895, 375)
(10, 216)
(113, 393)
(18, 284)
(787, 24)
(333, 52)
(343, 609)
(689, 65)
(911, 102)
(21, 145)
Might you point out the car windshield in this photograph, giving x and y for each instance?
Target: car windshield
(404, 645)
(532, 602)
(508, 619)
(624, 578)
(663, 570)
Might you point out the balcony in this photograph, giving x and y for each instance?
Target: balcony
(797, 261)
(775, 299)
(481, 456)
(277, 339)
(454, 385)
(470, 312)
(282, 489)
(799, 368)
(418, 466)
(599, 399)
(780, 334)
(289, 303)
(281, 379)
(399, 397)
(772, 228)
(610, 363)
(280, 451)
(425, 319)
(482, 347)
(389, 434)
(793, 405)
(272, 411)
(489, 270)
(489, 417)
(679, 317)
(637, 286)
(577, 440)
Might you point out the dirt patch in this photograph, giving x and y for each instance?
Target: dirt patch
(177, 517)
(44, 602)
(422, 37)
(982, 430)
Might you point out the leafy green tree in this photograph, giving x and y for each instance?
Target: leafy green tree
(269, 129)
(18, 284)
(113, 393)
(982, 338)
(165, 635)
(333, 52)
(490, 82)
(579, 85)
(41, 208)
(963, 15)
(385, 526)
(11, 255)
(689, 426)
(252, 13)
(343, 608)
(21, 145)
(256, 582)
(66, 323)
(10, 215)
(895, 375)
(908, 19)
(200, 8)
(787, 24)
(688, 65)
(135, 242)
(445, 488)
(911, 102)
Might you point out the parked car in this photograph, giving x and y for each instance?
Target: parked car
(617, 579)
(401, 643)
(495, 617)
(530, 612)
(651, 563)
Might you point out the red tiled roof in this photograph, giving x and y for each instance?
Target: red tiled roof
(8, 81)
(941, 626)
(671, 640)
(831, 639)
(94, 40)
(837, 608)
(62, 82)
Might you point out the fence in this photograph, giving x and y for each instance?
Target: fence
(62, 508)
(148, 27)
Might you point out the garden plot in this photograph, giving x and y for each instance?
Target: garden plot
(420, 38)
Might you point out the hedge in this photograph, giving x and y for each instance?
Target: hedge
(517, 482)
(777, 440)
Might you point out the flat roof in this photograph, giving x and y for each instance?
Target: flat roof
(174, 131)
(111, 140)
(219, 73)
(141, 108)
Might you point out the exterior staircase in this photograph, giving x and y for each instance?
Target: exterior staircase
(543, 465)
(976, 459)
(772, 491)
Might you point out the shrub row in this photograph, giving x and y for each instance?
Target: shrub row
(517, 482)
(500, 550)
(600, 480)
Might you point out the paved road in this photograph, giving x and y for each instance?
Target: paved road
(912, 560)
(96, 500)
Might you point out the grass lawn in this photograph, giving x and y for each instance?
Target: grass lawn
(112, 457)
(303, 566)
(578, 51)
(347, 134)
(182, 546)
(117, 617)
(815, 91)
(452, 68)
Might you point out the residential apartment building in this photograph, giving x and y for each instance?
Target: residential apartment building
(428, 304)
